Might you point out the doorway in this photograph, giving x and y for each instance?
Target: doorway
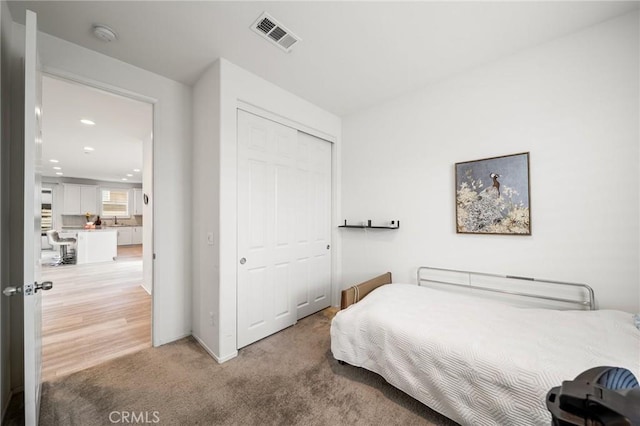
(96, 161)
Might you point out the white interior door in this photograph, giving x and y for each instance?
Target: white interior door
(32, 241)
(284, 226)
(266, 161)
(313, 225)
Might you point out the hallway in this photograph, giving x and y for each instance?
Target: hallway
(94, 313)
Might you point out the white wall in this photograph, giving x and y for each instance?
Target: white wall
(236, 86)
(171, 197)
(573, 103)
(206, 211)
(147, 214)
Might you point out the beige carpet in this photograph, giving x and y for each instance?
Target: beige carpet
(289, 378)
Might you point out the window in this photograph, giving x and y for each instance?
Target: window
(115, 202)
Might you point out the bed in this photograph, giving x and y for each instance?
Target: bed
(476, 360)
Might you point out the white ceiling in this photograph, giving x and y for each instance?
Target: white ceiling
(121, 127)
(352, 55)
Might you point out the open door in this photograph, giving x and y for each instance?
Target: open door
(30, 210)
(32, 172)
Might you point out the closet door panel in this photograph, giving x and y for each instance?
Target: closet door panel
(266, 153)
(315, 154)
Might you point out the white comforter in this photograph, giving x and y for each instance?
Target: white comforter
(477, 361)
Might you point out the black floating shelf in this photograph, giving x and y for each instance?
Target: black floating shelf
(395, 224)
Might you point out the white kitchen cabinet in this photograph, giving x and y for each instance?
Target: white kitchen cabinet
(79, 199)
(124, 235)
(137, 201)
(71, 199)
(89, 199)
(136, 235)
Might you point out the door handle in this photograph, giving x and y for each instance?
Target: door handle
(11, 291)
(243, 261)
(29, 289)
(45, 285)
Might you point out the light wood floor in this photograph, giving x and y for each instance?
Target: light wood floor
(94, 313)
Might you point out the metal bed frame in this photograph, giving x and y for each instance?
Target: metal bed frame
(591, 303)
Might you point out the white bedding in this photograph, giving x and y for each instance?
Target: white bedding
(477, 361)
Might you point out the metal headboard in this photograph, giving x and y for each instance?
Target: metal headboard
(591, 303)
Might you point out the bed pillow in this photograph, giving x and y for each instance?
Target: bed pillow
(636, 320)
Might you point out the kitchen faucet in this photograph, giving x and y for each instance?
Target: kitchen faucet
(115, 220)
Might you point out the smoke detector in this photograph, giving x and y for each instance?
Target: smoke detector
(270, 29)
(104, 33)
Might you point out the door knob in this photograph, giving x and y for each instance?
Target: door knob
(45, 285)
(29, 289)
(11, 291)
(243, 261)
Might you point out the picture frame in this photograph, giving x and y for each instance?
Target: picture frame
(493, 196)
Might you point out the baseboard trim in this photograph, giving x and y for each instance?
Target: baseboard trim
(210, 352)
(159, 343)
(227, 358)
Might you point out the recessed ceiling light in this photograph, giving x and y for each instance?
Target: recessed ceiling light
(124, 179)
(129, 175)
(53, 161)
(136, 170)
(59, 173)
(57, 168)
(87, 122)
(88, 148)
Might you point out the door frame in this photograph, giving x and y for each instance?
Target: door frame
(53, 72)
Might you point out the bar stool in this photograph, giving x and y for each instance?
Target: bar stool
(66, 256)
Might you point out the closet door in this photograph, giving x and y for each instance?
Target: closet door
(284, 226)
(266, 214)
(313, 225)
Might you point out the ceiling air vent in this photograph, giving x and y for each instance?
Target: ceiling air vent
(270, 29)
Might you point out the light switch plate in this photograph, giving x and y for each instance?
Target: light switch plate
(210, 238)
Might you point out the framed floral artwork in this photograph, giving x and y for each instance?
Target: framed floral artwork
(493, 196)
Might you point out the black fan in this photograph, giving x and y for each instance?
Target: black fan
(599, 396)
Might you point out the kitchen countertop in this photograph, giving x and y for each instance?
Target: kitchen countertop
(76, 229)
(79, 228)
